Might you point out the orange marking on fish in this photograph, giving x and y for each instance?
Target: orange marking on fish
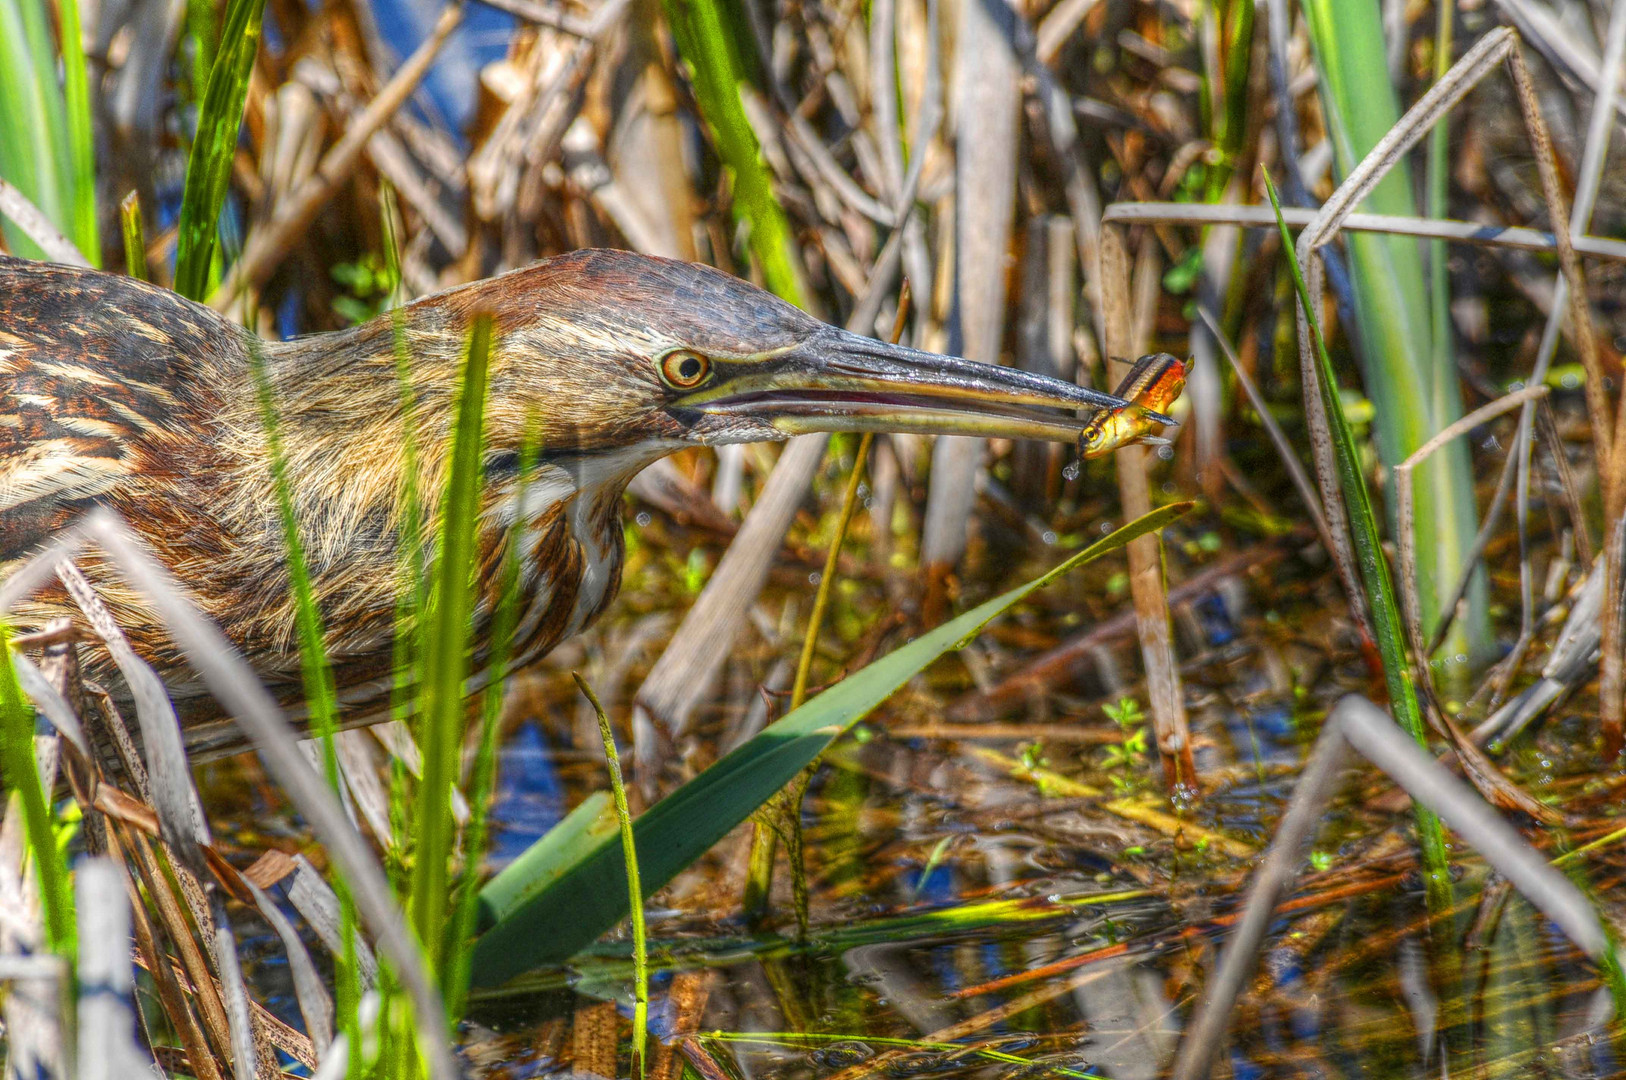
(1151, 386)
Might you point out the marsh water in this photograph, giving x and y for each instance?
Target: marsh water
(998, 886)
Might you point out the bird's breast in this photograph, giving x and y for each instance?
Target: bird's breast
(597, 527)
(571, 552)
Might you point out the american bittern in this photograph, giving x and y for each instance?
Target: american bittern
(113, 391)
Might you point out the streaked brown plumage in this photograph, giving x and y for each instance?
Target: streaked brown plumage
(117, 392)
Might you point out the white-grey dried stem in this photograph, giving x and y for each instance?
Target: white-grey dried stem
(107, 1020)
(37, 227)
(986, 115)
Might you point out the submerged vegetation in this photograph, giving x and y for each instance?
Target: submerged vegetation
(882, 812)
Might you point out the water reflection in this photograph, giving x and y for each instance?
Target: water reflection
(974, 919)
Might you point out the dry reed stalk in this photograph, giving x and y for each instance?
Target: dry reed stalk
(1166, 700)
(987, 112)
(267, 246)
(1457, 232)
(1405, 496)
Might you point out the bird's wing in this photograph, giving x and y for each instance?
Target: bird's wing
(97, 374)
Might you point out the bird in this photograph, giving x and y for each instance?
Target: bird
(118, 393)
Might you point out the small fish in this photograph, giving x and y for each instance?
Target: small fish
(1151, 387)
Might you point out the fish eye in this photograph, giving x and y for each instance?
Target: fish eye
(684, 369)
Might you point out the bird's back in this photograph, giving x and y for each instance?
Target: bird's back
(109, 392)
(101, 376)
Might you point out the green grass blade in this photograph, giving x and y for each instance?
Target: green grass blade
(445, 660)
(821, 599)
(21, 775)
(547, 924)
(701, 30)
(1414, 393)
(504, 620)
(1374, 566)
(32, 119)
(782, 815)
(81, 135)
(208, 168)
(412, 553)
(135, 238)
(321, 700)
(411, 566)
(635, 893)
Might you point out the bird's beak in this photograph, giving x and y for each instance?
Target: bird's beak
(839, 381)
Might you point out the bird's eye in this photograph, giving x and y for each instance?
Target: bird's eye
(684, 370)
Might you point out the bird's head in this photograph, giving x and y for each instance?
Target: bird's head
(619, 353)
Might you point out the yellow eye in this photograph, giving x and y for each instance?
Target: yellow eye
(684, 370)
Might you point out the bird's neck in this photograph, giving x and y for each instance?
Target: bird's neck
(354, 408)
(360, 451)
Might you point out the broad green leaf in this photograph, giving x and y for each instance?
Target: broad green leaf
(591, 823)
(547, 924)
